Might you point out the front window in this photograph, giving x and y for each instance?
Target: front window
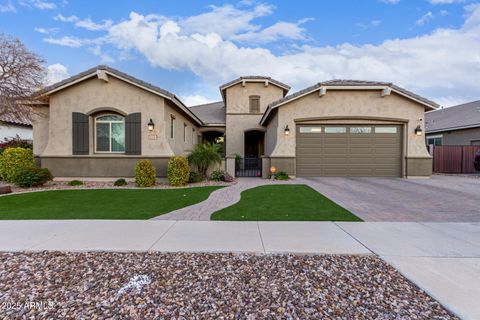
(110, 133)
(172, 126)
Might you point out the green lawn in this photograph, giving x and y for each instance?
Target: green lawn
(284, 203)
(100, 203)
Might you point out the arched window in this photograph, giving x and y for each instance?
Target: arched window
(110, 133)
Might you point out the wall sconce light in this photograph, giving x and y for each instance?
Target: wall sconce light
(151, 125)
(418, 130)
(287, 130)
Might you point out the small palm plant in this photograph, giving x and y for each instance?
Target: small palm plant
(205, 155)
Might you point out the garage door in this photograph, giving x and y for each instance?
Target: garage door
(349, 150)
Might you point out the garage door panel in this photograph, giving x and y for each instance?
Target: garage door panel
(350, 153)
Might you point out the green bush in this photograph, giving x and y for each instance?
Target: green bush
(27, 177)
(217, 175)
(195, 177)
(178, 171)
(12, 159)
(205, 155)
(120, 183)
(75, 183)
(16, 142)
(281, 175)
(145, 174)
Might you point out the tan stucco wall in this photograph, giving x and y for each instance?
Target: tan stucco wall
(355, 104)
(40, 123)
(94, 95)
(359, 106)
(237, 107)
(178, 145)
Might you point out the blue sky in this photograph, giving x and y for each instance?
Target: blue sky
(191, 47)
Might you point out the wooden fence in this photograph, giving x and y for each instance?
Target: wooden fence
(453, 159)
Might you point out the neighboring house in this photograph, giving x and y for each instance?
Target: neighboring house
(102, 121)
(16, 124)
(457, 125)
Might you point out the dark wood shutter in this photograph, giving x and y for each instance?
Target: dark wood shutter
(79, 133)
(133, 133)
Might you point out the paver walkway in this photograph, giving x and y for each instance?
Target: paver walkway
(218, 199)
(436, 199)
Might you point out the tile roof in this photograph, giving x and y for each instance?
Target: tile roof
(20, 116)
(210, 113)
(352, 83)
(119, 74)
(462, 116)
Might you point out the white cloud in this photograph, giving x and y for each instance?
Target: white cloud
(445, 1)
(426, 64)
(196, 99)
(279, 30)
(7, 7)
(44, 5)
(60, 17)
(390, 1)
(370, 24)
(104, 58)
(92, 26)
(56, 72)
(425, 19)
(444, 13)
(226, 21)
(46, 30)
(66, 41)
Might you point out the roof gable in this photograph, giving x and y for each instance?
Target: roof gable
(102, 72)
(349, 85)
(245, 79)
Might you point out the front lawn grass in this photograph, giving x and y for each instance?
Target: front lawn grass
(100, 203)
(296, 202)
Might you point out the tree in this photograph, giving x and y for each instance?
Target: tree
(205, 155)
(21, 75)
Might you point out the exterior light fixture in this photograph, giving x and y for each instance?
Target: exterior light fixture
(273, 169)
(151, 125)
(418, 130)
(287, 130)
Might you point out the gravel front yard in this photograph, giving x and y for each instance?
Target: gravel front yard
(206, 286)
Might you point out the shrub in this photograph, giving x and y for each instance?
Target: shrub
(195, 177)
(27, 177)
(75, 183)
(120, 183)
(145, 174)
(13, 159)
(178, 171)
(281, 175)
(205, 155)
(217, 175)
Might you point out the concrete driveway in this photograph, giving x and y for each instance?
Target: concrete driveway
(438, 199)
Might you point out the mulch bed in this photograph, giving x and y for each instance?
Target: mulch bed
(207, 286)
(63, 185)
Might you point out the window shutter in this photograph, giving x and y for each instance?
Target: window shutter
(79, 133)
(133, 133)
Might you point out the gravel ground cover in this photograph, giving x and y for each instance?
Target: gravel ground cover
(206, 286)
(63, 185)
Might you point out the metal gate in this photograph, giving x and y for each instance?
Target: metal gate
(248, 167)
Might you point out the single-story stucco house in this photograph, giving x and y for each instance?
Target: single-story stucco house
(99, 123)
(454, 126)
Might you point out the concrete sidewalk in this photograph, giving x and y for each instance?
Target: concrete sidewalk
(441, 258)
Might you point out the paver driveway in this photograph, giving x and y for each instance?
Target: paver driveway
(438, 199)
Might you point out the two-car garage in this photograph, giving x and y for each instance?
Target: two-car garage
(349, 150)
